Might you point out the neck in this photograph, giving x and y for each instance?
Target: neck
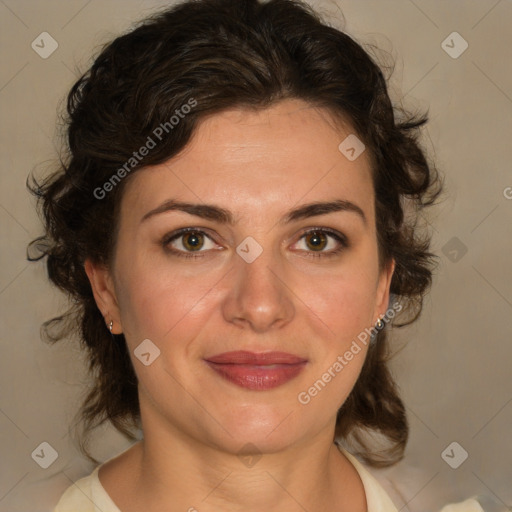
(188, 475)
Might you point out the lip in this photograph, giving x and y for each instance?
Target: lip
(257, 371)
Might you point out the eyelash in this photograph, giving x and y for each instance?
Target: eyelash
(339, 237)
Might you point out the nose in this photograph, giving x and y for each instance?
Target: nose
(259, 298)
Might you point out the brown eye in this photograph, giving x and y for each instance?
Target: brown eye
(188, 243)
(316, 240)
(193, 241)
(322, 242)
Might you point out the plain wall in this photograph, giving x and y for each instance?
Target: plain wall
(454, 371)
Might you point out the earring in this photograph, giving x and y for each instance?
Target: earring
(110, 325)
(379, 325)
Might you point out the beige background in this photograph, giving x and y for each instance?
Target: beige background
(455, 369)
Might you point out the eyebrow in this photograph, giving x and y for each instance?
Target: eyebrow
(223, 216)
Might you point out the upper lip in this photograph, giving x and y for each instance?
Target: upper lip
(253, 358)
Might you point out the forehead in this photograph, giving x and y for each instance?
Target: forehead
(259, 161)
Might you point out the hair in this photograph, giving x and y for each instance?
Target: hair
(213, 55)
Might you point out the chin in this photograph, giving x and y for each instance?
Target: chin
(267, 429)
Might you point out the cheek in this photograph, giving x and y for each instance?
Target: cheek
(163, 300)
(157, 301)
(344, 301)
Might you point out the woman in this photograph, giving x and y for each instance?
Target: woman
(231, 224)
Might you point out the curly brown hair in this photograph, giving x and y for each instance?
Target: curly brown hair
(225, 54)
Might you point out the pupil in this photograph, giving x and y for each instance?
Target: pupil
(316, 240)
(192, 241)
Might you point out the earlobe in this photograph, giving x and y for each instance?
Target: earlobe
(104, 294)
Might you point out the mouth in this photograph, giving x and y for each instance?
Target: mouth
(257, 371)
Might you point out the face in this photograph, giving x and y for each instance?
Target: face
(250, 262)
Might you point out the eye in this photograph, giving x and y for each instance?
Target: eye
(188, 241)
(324, 242)
(194, 242)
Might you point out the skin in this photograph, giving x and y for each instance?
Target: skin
(259, 165)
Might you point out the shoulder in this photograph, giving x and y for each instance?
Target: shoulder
(376, 497)
(78, 495)
(86, 495)
(379, 501)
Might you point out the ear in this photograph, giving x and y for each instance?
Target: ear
(104, 294)
(384, 284)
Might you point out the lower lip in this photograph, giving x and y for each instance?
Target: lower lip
(257, 377)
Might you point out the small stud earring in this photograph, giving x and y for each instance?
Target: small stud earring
(379, 325)
(110, 325)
